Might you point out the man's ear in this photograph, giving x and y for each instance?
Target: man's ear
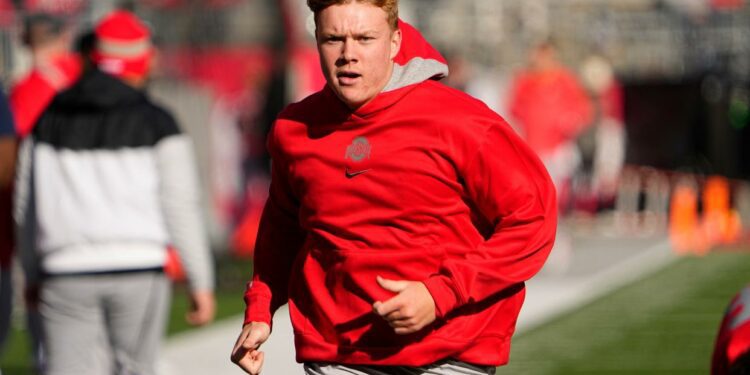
(395, 43)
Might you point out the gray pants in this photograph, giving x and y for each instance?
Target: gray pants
(446, 367)
(104, 324)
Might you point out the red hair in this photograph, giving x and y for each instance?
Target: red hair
(389, 6)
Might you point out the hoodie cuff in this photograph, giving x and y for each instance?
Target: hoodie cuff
(442, 291)
(258, 309)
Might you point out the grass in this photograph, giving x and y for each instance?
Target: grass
(231, 278)
(15, 360)
(663, 324)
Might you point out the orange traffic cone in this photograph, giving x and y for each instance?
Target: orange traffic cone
(683, 218)
(718, 219)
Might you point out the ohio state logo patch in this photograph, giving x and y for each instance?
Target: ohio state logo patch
(358, 150)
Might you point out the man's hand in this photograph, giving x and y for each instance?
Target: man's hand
(202, 308)
(245, 353)
(410, 310)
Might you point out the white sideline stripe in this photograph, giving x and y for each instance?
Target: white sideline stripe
(206, 351)
(549, 299)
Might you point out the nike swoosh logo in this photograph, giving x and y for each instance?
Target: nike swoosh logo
(352, 174)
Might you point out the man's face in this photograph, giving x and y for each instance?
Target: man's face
(357, 47)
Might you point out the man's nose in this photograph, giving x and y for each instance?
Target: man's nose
(349, 51)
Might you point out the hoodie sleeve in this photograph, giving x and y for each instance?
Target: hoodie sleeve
(512, 190)
(180, 201)
(279, 239)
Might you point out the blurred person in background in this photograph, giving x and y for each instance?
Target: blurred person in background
(552, 109)
(54, 67)
(461, 71)
(403, 217)
(732, 347)
(7, 170)
(603, 144)
(478, 81)
(106, 181)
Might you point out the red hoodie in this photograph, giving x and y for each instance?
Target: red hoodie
(423, 183)
(31, 96)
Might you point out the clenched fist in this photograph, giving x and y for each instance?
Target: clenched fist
(410, 310)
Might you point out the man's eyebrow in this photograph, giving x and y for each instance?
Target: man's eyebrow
(334, 34)
(368, 33)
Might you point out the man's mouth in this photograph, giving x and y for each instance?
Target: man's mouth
(347, 78)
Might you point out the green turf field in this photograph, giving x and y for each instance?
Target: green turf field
(663, 324)
(231, 278)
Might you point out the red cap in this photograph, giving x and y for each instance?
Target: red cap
(123, 45)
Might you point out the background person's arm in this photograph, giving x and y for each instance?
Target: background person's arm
(8, 145)
(180, 200)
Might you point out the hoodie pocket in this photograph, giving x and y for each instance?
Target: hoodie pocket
(342, 287)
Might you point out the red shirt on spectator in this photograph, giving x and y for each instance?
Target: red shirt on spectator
(550, 106)
(30, 96)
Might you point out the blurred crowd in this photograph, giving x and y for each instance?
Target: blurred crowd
(226, 91)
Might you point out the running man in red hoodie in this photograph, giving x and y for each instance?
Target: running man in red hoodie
(404, 216)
